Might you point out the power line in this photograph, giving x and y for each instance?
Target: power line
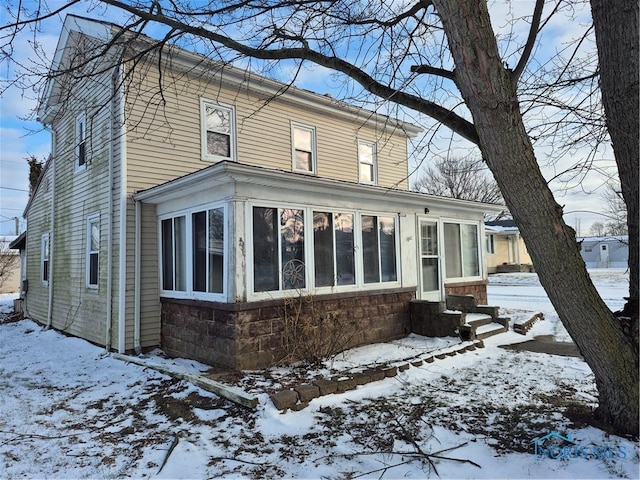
(16, 189)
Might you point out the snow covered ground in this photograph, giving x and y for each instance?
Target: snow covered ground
(68, 410)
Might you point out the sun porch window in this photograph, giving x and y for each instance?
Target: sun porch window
(193, 257)
(462, 256)
(307, 248)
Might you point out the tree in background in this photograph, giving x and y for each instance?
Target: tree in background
(441, 59)
(35, 170)
(616, 213)
(9, 261)
(464, 178)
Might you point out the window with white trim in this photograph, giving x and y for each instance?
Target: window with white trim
(174, 252)
(304, 148)
(333, 249)
(278, 249)
(379, 249)
(306, 248)
(208, 250)
(93, 251)
(462, 256)
(367, 162)
(44, 258)
(81, 142)
(491, 244)
(193, 254)
(218, 131)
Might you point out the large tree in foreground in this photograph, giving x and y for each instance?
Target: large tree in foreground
(404, 53)
(616, 26)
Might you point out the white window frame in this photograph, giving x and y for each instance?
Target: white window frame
(444, 247)
(312, 130)
(203, 130)
(373, 163)
(45, 259)
(189, 292)
(92, 219)
(309, 249)
(491, 243)
(80, 151)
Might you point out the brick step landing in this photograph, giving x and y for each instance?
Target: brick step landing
(489, 330)
(480, 326)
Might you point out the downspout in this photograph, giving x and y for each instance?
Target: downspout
(136, 289)
(53, 225)
(109, 322)
(518, 248)
(122, 261)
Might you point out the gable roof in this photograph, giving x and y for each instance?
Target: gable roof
(194, 63)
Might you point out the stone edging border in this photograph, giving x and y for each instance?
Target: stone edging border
(298, 397)
(522, 327)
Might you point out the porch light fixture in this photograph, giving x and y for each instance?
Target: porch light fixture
(426, 210)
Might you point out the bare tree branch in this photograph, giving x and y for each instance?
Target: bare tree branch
(531, 40)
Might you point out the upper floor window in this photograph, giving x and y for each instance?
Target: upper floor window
(218, 131)
(304, 148)
(81, 142)
(93, 250)
(367, 162)
(44, 259)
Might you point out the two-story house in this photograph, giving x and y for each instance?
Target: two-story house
(186, 201)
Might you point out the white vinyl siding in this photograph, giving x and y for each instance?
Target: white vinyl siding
(263, 132)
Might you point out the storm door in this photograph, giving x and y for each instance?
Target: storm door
(429, 261)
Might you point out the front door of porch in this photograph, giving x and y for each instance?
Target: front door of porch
(430, 283)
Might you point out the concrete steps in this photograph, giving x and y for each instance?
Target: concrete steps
(478, 326)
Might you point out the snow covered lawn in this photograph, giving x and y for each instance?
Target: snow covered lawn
(68, 410)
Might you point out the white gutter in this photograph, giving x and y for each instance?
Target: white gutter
(122, 260)
(136, 289)
(53, 225)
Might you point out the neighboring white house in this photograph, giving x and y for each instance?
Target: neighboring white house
(605, 252)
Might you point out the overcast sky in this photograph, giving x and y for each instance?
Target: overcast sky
(20, 138)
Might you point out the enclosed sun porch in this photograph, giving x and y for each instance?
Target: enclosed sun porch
(253, 261)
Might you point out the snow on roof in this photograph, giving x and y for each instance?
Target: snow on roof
(606, 238)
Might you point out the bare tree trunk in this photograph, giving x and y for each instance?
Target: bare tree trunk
(616, 27)
(489, 91)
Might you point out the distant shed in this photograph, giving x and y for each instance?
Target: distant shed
(605, 252)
